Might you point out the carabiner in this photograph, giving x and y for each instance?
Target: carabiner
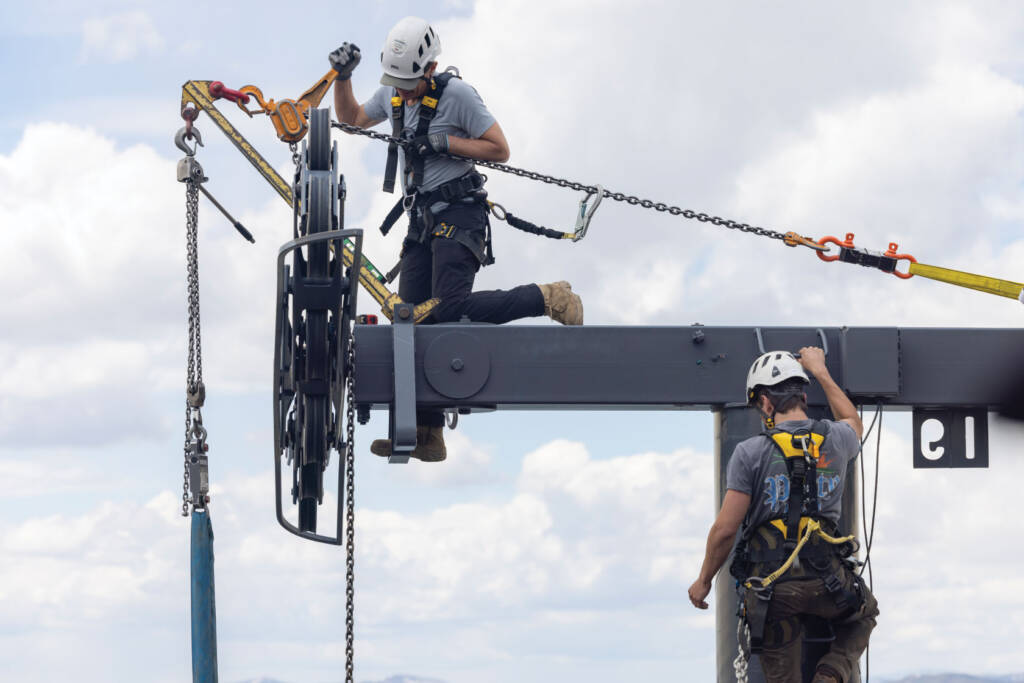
(585, 214)
(498, 210)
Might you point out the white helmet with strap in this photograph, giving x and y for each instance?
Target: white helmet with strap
(773, 368)
(410, 46)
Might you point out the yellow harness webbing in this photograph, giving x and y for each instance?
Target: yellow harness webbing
(810, 447)
(809, 527)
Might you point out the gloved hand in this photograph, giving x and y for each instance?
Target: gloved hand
(429, 145)
(344, 60)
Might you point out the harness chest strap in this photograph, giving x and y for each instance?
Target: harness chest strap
(397, 123)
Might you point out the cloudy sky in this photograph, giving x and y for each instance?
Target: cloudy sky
(550, 546)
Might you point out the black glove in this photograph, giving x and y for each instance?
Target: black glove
(429, 145)
(344, 60)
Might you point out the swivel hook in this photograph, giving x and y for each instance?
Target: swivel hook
(184, 134)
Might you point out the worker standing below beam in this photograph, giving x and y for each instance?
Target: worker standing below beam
(785, 487)
(448, 237)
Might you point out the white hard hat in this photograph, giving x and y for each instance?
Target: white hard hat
(773, 368)
(410, 46)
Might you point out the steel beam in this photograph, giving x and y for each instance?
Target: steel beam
(664, 368)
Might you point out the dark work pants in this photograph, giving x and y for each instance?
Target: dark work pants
(445, 269)
(792, 600)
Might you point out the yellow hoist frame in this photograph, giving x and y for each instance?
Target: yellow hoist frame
(199, 94)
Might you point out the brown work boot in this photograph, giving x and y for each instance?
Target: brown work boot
(429, 445)
(826, 674)
(561, 304)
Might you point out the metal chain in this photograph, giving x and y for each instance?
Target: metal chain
(194, 372)
(741, 664)
(580, 187)
(350, 512)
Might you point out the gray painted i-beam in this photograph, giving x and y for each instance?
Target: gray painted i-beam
(696, 367)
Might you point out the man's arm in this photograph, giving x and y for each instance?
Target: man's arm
(348, 109)
(720, 539)
(491, 146)
(813, 360)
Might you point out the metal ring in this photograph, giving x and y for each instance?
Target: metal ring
(498, 210)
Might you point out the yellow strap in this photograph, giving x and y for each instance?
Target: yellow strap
(981, 283)
(813, 526)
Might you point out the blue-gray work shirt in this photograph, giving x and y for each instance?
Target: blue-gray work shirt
(460, 112)
(758, 469)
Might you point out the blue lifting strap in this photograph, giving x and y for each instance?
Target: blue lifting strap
(204, 609)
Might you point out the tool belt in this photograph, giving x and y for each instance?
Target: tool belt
(463, 192)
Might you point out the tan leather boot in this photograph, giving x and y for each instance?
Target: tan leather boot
(561, 304)
(429, 445)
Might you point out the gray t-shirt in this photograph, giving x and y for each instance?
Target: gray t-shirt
(460, 112)
(759, 470)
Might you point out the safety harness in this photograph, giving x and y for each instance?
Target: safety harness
(799, 539)
(418, 202)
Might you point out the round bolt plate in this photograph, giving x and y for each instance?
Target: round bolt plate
(439, 365)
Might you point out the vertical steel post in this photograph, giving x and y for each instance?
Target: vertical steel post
(204, 611)
(734, 423)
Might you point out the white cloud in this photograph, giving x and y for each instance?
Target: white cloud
(120, 37)
(598, 542)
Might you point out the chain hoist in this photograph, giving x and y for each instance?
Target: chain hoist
(196, 473)
(195, 486)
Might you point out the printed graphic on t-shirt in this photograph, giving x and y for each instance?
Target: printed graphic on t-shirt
(776, 486)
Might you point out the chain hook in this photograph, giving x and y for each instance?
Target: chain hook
(184, 134)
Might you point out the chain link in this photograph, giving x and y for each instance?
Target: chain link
(580, 187)
(350, 511)
(741, 664)
(194, 372)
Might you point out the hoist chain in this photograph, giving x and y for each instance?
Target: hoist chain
(741, 664)
(350, 510)
(194, 374)
(580, 187)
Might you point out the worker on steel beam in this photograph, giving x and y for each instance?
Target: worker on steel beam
(448, 237)
(785, 487)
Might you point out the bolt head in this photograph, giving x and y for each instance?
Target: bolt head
(457, 364)
(404, 313)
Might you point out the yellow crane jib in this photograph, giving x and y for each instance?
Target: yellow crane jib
(199, 96)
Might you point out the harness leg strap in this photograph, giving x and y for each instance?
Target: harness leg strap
(756, 612)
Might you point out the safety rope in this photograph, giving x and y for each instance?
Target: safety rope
(759, 583)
